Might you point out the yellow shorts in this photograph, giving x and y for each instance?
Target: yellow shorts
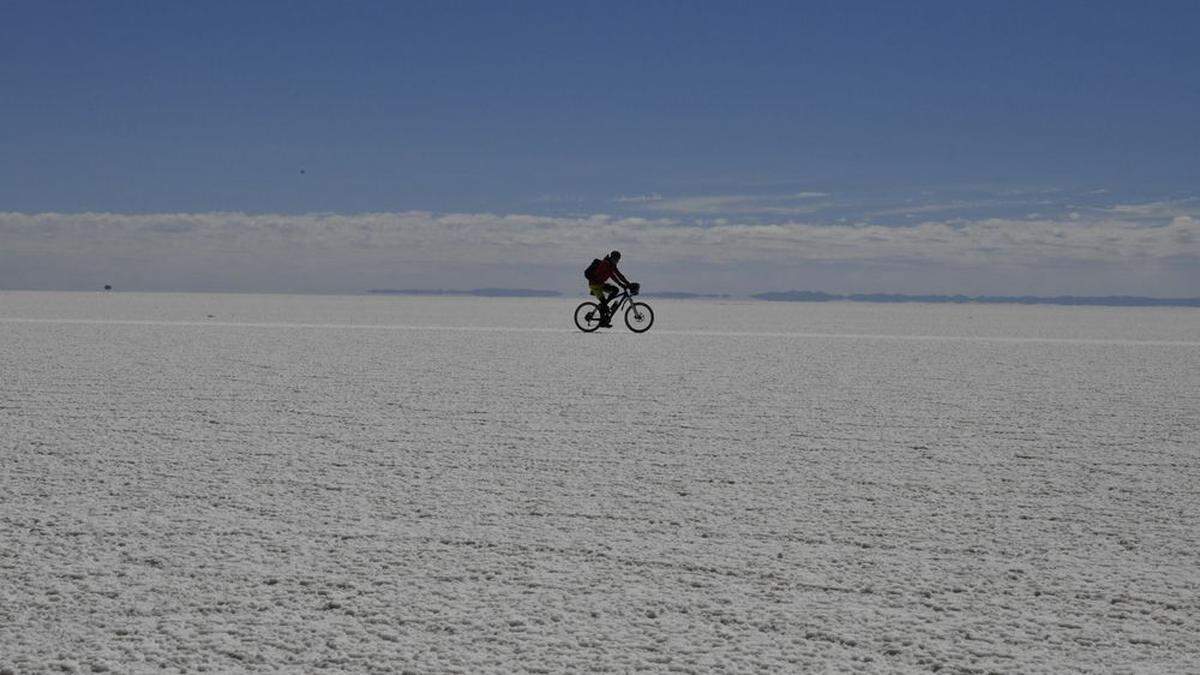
(598, 290)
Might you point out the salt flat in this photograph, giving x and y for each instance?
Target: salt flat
(261, 482)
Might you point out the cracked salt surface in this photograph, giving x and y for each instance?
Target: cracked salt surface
(234, 483)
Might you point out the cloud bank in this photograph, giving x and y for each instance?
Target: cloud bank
(1136, 237)
(796, 203)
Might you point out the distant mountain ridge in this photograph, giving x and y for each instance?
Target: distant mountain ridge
(1102, 301)
(683, 295)
(478, 292)
(821, 296)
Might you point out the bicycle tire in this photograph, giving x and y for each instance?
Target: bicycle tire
(587, 316)
(642, 317)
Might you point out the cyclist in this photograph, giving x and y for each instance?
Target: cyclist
(601, 273)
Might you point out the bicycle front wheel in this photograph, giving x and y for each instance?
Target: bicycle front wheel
(587, 317)
(639, 317)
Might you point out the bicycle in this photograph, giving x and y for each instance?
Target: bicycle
(638, 315)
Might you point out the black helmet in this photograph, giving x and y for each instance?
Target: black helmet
(615, 256)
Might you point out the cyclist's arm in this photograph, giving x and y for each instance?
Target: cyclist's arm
(620, 277)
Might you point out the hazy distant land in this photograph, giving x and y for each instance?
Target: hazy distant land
(477, 292)
(1107, 300)
(821, 296)
(682, 295)
(534, 293)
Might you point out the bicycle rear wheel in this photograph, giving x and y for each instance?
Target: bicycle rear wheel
(587, 317)
(639, 317)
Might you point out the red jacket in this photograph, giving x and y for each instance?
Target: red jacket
(604, 271)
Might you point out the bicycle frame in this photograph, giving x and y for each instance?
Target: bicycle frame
(620, 298)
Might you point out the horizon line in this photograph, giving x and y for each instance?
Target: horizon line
(800, 296)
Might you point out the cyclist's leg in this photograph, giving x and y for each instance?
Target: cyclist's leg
(612, 291)
(597, 291)
(604, 294)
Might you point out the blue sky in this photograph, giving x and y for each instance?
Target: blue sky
(800, 116)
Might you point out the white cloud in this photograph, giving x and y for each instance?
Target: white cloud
(483, 237)
(275, 242)
(639, 199)
(785, 204)
(1157, 209)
